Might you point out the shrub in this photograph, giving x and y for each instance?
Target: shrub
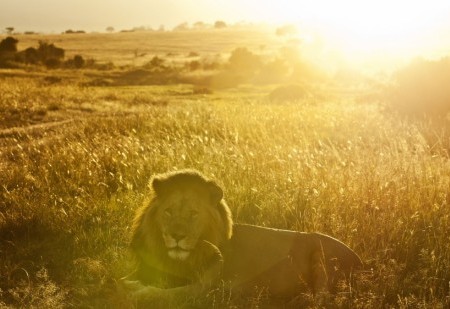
(201, 90)
(8, 49)
(48, 51)
(243, 60)
(193, 55)
(193, 65)
(47, 54)
(422, 88)
(225, 79)
(29, 55)
(8, 45)
(78, 61)
(220, 24)
(52, 63)
(156, 62)
(289, 93)
(211, 64)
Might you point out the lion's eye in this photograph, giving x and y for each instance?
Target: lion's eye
(168, 212)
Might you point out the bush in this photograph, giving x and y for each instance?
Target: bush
(77, 62)
(193, 65)
(29, 56)
(422, 88)
(8, 45)
(8, 49)
(47, 54)
(243, 60)
(289, 93)
(220, 24)
(52, 63)
(156, 62)
(48, 51)
(225, 79)
(201, 90)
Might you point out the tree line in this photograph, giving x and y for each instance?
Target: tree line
(46, 54)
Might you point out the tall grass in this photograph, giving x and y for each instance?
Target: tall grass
(67, 195)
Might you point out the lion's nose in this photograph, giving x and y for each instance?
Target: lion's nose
(178, 236)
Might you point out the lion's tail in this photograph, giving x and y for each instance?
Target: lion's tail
(330, 260)
(337, 254)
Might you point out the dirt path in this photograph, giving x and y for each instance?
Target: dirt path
(43, 132)
(34, 129)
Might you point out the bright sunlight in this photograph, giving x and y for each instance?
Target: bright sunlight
(225, 154)
(358, 28)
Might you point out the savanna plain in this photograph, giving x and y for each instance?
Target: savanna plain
(293, 148)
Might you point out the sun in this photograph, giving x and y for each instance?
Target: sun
(359, 27)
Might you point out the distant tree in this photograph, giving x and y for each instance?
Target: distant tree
(220, 24)
(8, 51)
(9, 45)
(243, 60)
(156, 62)
(78, 61)
(421, 88)
(29, 56)
(162, 28)
(199, 25)
(139, 29)
(182, 27)
(110, 29)
(194, 65)
(193, 54)
(9, 30)
(52, 63)
(49, 54)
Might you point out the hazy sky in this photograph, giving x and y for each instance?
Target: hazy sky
(353, 25)
(98, 14)
(58, 15)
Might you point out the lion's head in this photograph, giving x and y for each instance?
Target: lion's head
(186, 211)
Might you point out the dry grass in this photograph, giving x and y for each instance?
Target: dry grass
(137, 48)
(75, 161)
(69, 191)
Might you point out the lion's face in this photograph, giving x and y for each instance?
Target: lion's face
(183, 221)
(185, 213)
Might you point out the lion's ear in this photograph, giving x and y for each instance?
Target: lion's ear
(157, 185)
(215, 191)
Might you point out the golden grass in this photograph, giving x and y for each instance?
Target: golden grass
(137, 48)
(68, 191)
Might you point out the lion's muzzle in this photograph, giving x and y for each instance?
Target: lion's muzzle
(178, 246)
(178, 254)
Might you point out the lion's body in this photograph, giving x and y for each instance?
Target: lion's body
(285, 262)
(184, 241)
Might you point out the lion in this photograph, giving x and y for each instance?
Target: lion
(185, 243)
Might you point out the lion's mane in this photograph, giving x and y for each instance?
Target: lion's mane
(147, 242)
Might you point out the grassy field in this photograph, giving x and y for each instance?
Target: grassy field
(75, 162)
(135, 48)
